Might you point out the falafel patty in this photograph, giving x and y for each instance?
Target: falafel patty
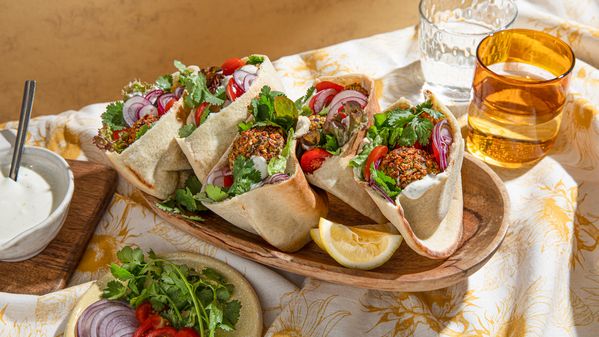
(408, 164)
(266, 142)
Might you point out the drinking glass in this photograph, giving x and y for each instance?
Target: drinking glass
(450, 31)
(519, 90)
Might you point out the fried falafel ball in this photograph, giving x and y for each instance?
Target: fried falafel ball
(266, 142)
(408, 164)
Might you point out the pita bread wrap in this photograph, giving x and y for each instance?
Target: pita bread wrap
(147, 163)
(428, 212)
(335, 175)
(204, 147)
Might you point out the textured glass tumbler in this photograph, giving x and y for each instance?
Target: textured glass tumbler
(450, 31)
(520, 89)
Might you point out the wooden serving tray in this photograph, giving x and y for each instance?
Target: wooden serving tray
(486, 206)
(52, 268)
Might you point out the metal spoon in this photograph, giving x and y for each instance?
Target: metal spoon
(26, 105)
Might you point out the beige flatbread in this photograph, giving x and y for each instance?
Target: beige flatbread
(148, 163)
(281, 213)
(428, 212)
(335, 175)
(204, 147)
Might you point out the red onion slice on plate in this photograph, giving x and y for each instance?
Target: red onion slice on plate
(132, 107)
(147, 110)
(442, 139)
(107, 319)
(179, 92)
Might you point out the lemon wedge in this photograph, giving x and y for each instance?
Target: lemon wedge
(356, 247)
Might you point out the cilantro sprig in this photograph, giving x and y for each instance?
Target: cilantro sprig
(182, 295)
(271, 108)
(185, 202)
(196, 88)
(398, 127)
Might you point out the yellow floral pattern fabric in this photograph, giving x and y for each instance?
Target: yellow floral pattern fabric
(543, 280)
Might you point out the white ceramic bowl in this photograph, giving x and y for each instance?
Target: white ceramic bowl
(57, 173)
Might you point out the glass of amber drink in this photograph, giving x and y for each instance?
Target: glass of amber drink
(520, 86)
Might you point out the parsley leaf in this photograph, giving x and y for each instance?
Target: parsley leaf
(113, 116)
(185, 200)
(196, 88)
(408, 137)
(423, 129)
(165, 82)
(300, 102)
(254, 59)
(398, 118)
(272, 108)
(186, 130)
(114, 290)
(216, 193)
(244, 175)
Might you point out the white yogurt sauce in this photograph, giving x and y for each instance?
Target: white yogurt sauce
(24, 203)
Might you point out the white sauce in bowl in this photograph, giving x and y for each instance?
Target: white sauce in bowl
(24, 203)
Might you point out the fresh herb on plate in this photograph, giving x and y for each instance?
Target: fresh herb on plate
(185, 297)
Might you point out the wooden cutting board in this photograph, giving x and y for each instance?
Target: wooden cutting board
(51, 269)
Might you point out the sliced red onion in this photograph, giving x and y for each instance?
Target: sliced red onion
(147, 110)
(442, 139)
(217, 177)
(321, 97)
(179, 91)
(247, 81)
(250, 69)
(239, 76)
(342, 98)
(132, 107)
(162, 101)
(275, 178)
(153, 95)
(107, 319)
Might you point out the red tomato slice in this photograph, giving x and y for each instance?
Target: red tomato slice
(151, 323)
(327, 84)
(187, 332)
(233, 90)
(116, 135)
(232, 64)
(163, 332)
(143, 311)
(436, 154)
(313, 159)
(228, 181)
(200, 112)
(376, 154)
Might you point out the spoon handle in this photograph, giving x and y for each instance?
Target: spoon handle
(26, 106)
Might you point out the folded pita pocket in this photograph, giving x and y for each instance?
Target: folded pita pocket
(144, 163)
(204, 147)
(335, 175)
(281, 213)
(428, 212)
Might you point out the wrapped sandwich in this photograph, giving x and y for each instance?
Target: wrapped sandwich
(211, 125)
(138, 134)
(410, 163)
(257, 184)
(338, 113)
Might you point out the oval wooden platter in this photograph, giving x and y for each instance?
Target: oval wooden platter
(486, 207)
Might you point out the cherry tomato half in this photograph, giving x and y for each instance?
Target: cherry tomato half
(312, 159)
(328, 85)
(187, 332)
(233, 90)
(163, 332)
(376, 154)
(151, 323)
(232, 64)
(199, 113)
(143, 311)
(116, 135)
(227, 181)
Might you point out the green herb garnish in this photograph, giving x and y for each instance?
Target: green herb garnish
(255, 59)
(182, 295)
(185, 200)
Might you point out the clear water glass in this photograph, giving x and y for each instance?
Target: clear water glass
(450, 31)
